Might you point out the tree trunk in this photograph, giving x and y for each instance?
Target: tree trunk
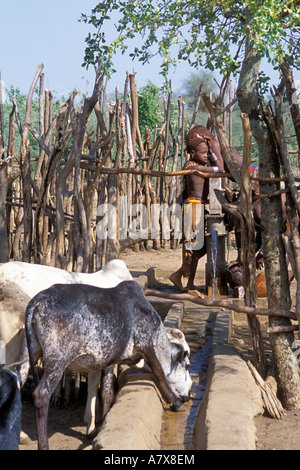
(7, 175)
(79, 123)
(4, 251)
(292, 91)
(244, 213)
(27, 201)
(274, 253)
(248, 249)
(26, 173)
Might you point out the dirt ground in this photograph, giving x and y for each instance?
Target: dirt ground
(66, 429)
(271, 433)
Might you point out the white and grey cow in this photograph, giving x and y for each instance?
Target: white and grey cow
(86, 329)
(177, 340)
(20, 282)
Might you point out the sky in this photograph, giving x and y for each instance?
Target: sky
(48, 32)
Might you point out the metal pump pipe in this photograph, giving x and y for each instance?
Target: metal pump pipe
(215, 236)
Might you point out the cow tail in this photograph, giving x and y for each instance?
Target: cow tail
(29, 338)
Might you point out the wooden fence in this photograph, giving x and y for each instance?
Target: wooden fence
(52, 204)
(53, 207)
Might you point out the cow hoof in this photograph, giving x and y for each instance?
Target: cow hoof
(177, 406)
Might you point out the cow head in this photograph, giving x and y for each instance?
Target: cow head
(179, 377)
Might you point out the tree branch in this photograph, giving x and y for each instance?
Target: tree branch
(222, 304)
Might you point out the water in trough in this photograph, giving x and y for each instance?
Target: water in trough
(197, 325)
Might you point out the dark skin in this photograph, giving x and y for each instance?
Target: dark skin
(215, 147)
(195, 186)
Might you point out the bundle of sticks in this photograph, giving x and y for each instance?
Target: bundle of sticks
(270, 400)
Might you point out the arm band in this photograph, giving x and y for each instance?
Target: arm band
(216, 169)
(213, 157)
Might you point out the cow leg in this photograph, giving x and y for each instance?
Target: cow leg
(22, 370)
(107, 390)
(90, 409)
(164, 387)
(107, 396)
(41, 406)
(41, 398)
